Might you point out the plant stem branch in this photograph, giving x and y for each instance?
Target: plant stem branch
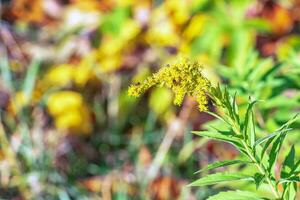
(258, 164)
(262, 170)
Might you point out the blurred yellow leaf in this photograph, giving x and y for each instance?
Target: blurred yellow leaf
(160, 100)
(59, 75)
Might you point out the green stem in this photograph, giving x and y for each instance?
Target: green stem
(262, 170)
(258, 164)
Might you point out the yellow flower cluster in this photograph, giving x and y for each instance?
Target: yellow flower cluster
(64, 74)
(112, 48)
(183, 78)
(70, 112)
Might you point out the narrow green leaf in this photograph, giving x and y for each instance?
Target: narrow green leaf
(249, 124)
(290, 191)
(275, 151)
(268, 143)
(224, 136)
(259, 24)
(278, 143)
(290, 179)
(270, 136)
(288, 123)
(218, 117)
(261, 70)
(288, 164)
(217, 136)
(258, 179)
(295, 169)
(220, 177)
(251, 132)
(236, 195)
(269, 139)
(216, 92)
(222, 163)
(227, 103)
(235, 109)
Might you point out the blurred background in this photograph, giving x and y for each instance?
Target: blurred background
(69, 130)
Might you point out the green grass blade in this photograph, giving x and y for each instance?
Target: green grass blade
(30, 78)
(6, 73)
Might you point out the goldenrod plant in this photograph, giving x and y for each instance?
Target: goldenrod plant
(239, 130)
(69, 129)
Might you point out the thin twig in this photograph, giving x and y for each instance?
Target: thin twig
(175, 128)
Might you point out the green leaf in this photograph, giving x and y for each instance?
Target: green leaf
(290, 191)
(222, 164)
(268, 143)
(224, 136)
(278, 143)
(235, 109)
(270, 136)
(227, 103)
(259, 24)
(220, 177)
(275, 151)
(238, 48)
(258, 179)
(236, 195)
(295, 169)
(218, 117)
(288, 164)
(290, 179)
(217, 136)
(280, 101)
(269, 139)
(249, 125)
(113, 22)
(288, 123)
(261, 70)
